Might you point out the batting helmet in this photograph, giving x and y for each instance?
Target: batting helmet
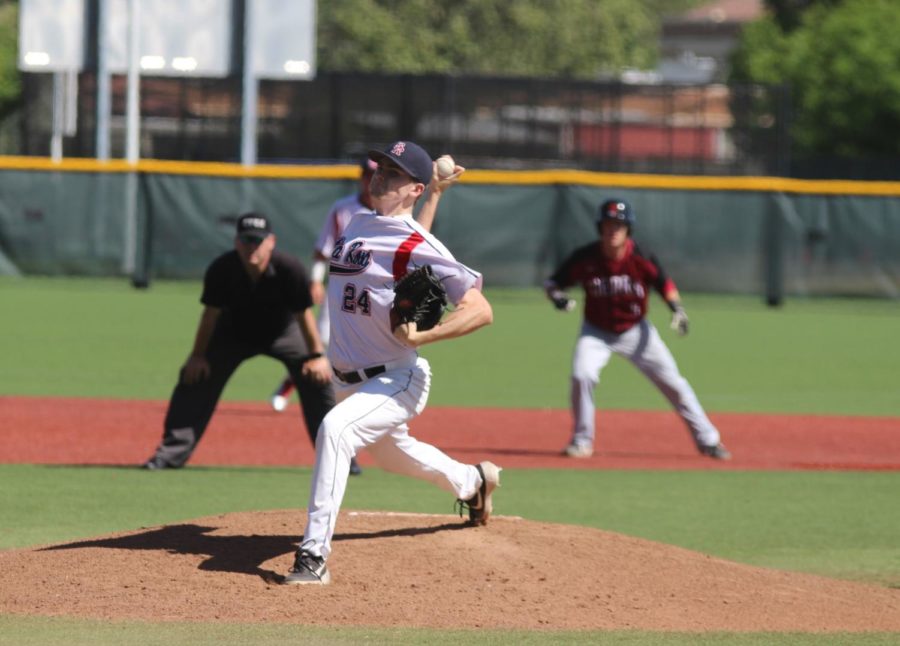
(618, 210)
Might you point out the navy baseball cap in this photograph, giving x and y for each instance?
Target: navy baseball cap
(616, 209)
(411, 157)
(253, 227)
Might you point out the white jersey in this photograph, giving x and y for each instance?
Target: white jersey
(340, 214)
(373, 253)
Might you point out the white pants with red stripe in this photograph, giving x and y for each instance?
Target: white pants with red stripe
(642, 346)
(373, 415)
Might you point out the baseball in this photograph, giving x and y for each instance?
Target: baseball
(445, 166)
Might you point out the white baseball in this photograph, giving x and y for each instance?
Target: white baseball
(445, 166)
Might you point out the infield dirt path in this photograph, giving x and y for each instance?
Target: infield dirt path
(115, 431)
(432, 571)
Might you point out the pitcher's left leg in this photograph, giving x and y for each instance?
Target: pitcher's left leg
(398, 452)
(473, 485)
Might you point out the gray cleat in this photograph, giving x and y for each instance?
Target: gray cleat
(716, 451)
(579, 450)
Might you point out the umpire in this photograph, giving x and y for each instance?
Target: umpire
(256, 301)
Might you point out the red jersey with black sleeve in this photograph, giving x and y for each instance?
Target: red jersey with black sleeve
(616, 291)
(257, 311)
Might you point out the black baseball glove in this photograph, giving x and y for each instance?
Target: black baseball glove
(420, 297)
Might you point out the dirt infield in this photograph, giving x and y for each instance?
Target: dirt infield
(429, 571)
(432, 571)
(94, 431)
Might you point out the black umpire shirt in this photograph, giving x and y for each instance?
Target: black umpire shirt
(257, 312)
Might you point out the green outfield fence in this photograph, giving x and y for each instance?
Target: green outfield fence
(771, 236)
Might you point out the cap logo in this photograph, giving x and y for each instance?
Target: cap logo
(255, 223)
(398, 149)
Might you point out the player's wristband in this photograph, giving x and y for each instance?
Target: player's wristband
(318, 271)
(312, 355)
(674, 305)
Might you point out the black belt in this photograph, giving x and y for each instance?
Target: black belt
(358, 375)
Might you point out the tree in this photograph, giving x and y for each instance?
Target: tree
(789, 13)
(565, 38)
(10, 82)
(841, 63)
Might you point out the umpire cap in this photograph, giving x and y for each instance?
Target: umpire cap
(616, 209)
(409, 156)
(253, 227)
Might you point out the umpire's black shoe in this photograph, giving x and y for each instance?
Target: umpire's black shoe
(480, 505)
(308, 570)
(156, 463)
(355, 469)
(715, 451)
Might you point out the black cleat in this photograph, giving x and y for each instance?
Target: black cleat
(155, 464)
(480, 505)
(308, 570)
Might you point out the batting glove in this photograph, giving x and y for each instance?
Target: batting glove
(562, 302)
(679, 321)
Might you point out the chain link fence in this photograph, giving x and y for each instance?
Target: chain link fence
(484, 122)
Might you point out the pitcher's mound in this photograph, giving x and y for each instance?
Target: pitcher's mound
(429, 571)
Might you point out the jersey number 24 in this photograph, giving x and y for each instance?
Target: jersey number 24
(353, 303)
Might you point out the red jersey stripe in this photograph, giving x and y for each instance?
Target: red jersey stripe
(404, 251)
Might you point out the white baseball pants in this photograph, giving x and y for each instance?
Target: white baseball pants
(373, 415)
(642, 346)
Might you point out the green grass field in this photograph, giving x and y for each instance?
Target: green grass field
(102, 339)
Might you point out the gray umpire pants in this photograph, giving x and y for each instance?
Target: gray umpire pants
(192, 405)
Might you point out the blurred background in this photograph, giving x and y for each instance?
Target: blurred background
(793, 89)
